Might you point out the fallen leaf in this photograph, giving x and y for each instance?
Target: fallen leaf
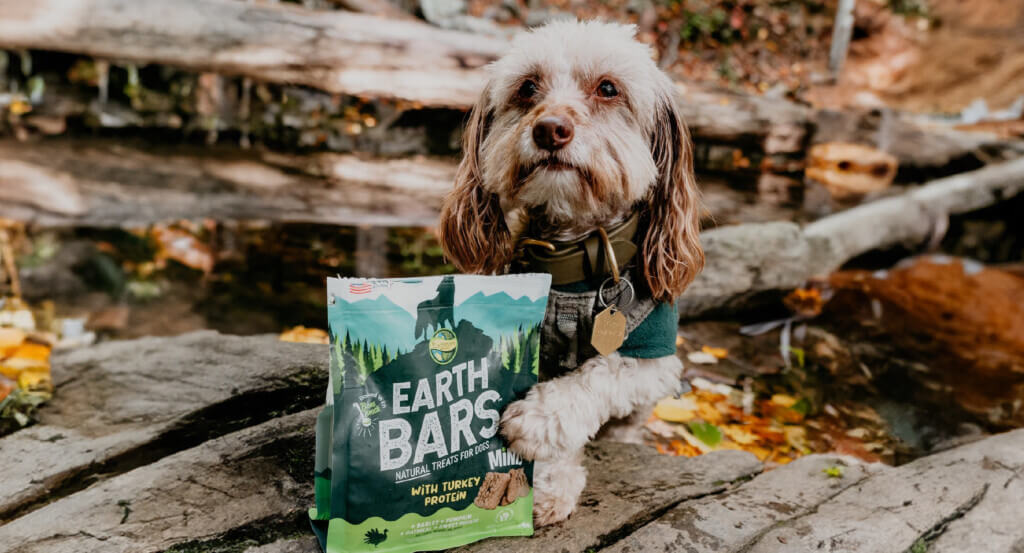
(10, 338)
(183, 247)
(19, 107)
(719, 353)
(834, 471)
(660, 428)
(304, 335)
(692, 440)
(807, 302)
(676, 409)
(35, 381)
(706, 432)
(709, 413)
(783, 400)
(701, 358)
(6, 387)
(739, 434)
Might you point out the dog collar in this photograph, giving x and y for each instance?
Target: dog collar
(584, 259)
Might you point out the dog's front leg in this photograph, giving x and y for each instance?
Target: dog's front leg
(558, 417)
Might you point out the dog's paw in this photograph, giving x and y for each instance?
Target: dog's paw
(557, 486)
(536, 430)
(552, 508)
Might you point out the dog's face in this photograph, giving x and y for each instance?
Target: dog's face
(577, 125)
(573, 113)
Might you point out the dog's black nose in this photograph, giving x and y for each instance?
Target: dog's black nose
(552, 132)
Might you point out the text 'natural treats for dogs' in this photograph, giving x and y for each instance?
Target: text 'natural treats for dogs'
(408, 454)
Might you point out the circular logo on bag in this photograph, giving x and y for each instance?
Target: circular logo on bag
(443, 346)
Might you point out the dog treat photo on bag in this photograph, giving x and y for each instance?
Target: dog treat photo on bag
(511, 276)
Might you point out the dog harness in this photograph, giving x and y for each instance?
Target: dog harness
(582, 269)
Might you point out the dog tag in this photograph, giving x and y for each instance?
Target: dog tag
(609, 330)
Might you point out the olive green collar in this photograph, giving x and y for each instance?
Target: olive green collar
(584, 259)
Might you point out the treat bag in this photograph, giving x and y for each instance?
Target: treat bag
(408, 455)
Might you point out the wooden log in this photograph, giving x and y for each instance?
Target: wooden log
(334, 51)
(124, 404)
(911, 217)
(362, 54)
(255, 481)
(64, 183)
(746, 260)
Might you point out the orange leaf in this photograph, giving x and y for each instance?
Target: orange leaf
(6, 387)
(31, 352)
(718, 353)
(304, 335)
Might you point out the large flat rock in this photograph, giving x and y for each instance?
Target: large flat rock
(731, 521)
(230, 490)
(628, 485)
(906, 508)
(994, 525)
(124, 404)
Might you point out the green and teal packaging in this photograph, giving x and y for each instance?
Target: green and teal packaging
(408, 452)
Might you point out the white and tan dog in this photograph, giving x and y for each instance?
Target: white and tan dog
(578, 130)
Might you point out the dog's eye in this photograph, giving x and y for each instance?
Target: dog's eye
(607, 89)
(527, 89)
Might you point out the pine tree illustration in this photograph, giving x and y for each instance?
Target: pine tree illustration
(374, 537)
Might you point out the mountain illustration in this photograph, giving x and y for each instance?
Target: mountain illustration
(373, 319)
(499, 314)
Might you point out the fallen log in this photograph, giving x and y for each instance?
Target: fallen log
(401, 58)
(254, 481)
(68, 182)
(64, 183)
(124, 404)
(334, 51)
(746, 260)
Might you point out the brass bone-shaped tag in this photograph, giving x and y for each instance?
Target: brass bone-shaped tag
(609, 330)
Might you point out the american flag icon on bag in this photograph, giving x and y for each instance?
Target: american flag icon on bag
(362, 288)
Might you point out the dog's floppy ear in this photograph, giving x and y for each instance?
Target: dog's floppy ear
(671, 247)
(473, 231)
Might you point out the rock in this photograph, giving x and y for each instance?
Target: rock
(909, 505)
(968, 323)
(732, 520)
(124, 404)
(306, 544)
(627, 486)
(192, 497)
(993, 525)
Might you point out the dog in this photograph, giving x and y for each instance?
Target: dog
(433, 313)
(577, 136)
